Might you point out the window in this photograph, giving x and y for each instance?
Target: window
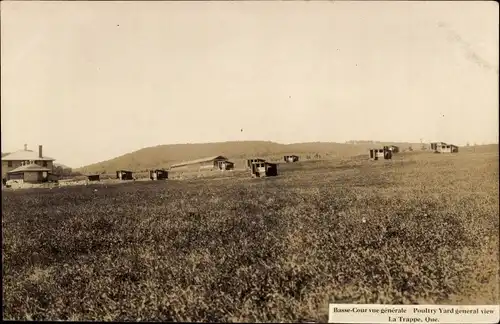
(9, 164)
(44, 164)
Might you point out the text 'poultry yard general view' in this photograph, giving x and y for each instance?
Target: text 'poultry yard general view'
(417, 228)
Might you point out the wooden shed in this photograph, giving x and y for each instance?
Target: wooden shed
(227, 165)
(393, 148)
(252, 160)
(53, 177)
(381, 153)
(158, 174)
(208, 163)
(291, 158)
(94, 177)
(124, 175)
(264, 169)
(441, 147)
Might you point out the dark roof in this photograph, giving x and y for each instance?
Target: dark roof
(30, 168)
(207, 159)
(25, 155)
(442, 143)
(265, 162)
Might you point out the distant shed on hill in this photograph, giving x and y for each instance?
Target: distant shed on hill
(158, 174)
(393, 148)
(264, 169)
(380, 153)
(441, 147)
(124, 175)
(218, 162)
(94, 177)
(291, 158)
(253, 160)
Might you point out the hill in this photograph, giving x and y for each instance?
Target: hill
(166, 155)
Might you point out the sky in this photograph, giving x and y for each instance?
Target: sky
(94, 80)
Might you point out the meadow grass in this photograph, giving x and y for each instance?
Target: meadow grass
(422, 228)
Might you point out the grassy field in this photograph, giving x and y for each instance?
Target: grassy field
(422, 228)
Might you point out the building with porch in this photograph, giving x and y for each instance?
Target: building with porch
(31, 173)
(20, 158)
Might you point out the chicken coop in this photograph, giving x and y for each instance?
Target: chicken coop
(264, 169)
(384, 153)
(254, 160)
(291, 158)
(124, 175)
(94, 177)
(158, 174)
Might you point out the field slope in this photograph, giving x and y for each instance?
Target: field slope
(422, 228)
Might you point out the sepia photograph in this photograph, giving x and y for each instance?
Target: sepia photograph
(250, 161)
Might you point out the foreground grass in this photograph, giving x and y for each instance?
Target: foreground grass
(421, 228)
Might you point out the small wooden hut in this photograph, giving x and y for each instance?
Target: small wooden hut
(124, 175)
(251, 161)
(94, 177)
(158, 174)
(264, 169)
(291, 158)
(383, 153)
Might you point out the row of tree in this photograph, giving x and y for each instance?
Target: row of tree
(65, 171)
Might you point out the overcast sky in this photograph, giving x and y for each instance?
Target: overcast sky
(94, 80)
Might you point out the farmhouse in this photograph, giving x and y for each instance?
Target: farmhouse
(383, 153)
(441, 147)
(291, 158)
(158, 174)
(19, 158)
(251, 161)
(31, 173)
(124, 175)
(209, 163)
(264, 169)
